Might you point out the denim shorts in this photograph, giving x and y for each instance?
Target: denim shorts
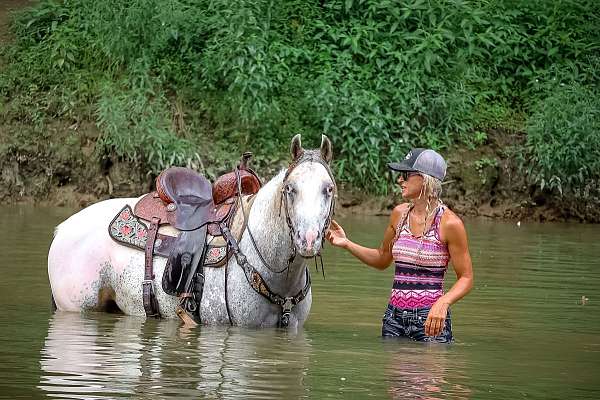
(410, 323)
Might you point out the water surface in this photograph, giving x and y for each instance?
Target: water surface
(528, 330)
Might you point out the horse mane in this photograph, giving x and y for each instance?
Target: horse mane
(272, 190)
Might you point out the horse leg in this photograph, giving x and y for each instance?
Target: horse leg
(213, 310)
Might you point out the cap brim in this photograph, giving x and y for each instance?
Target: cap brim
(400, 166)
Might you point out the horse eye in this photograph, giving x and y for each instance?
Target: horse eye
(328, 190)
(289, 189)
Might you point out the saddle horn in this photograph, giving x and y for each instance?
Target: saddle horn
(245, 160)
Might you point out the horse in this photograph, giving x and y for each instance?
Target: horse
(266, 284)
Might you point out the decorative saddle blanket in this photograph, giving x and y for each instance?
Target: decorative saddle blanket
(130, 230)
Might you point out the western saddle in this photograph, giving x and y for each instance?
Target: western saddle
(187, 201)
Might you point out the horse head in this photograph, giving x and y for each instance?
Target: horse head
(308, 195)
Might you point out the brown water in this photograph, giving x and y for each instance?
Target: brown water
(522, 333)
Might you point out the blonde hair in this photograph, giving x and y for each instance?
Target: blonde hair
(431, 189)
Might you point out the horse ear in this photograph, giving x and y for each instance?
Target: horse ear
(326, 149)
(296, 147)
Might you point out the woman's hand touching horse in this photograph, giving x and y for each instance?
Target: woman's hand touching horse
(336, 235)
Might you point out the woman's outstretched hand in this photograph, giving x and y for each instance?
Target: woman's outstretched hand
(336, 235)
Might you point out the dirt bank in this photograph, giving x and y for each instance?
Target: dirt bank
(6, 6)
(60, 167)
(487, 182)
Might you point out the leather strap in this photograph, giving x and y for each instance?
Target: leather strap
(259, 285)
(149, 298)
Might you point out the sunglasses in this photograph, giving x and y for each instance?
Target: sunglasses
(407, 174)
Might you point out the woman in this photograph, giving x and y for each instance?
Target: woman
(421, 238)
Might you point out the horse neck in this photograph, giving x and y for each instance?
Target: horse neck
(272, 236)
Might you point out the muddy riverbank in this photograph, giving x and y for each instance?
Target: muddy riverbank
(60, 167)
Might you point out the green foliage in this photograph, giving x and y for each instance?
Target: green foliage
(377, 76)
(138, 129)
(564, 134)
(484, 164)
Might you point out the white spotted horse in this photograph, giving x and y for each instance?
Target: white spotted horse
(233, 252)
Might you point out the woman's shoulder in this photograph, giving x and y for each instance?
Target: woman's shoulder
(398, 212)
(451, 222)
(401, 208)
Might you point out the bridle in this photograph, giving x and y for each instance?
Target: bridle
(306, 156)
(253, 277)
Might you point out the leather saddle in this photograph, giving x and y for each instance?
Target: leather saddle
(187, 201)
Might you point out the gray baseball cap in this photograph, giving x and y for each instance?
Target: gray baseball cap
(426, 161)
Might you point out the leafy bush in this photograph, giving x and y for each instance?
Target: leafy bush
(564, 134)
(377, 76)
(138, 129)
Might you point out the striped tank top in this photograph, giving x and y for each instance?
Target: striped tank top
(421, 263)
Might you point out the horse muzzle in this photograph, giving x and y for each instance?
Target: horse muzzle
(309, 243)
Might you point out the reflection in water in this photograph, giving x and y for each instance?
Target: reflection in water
(425, 371)
(100, 357)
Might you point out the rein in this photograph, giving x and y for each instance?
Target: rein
(262, 259)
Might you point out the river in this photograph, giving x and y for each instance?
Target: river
(529, 329)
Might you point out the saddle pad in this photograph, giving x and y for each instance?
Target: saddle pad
(129, 230)
(132, 231)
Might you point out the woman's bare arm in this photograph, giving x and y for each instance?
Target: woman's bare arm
(379, 258)
(454, 234)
